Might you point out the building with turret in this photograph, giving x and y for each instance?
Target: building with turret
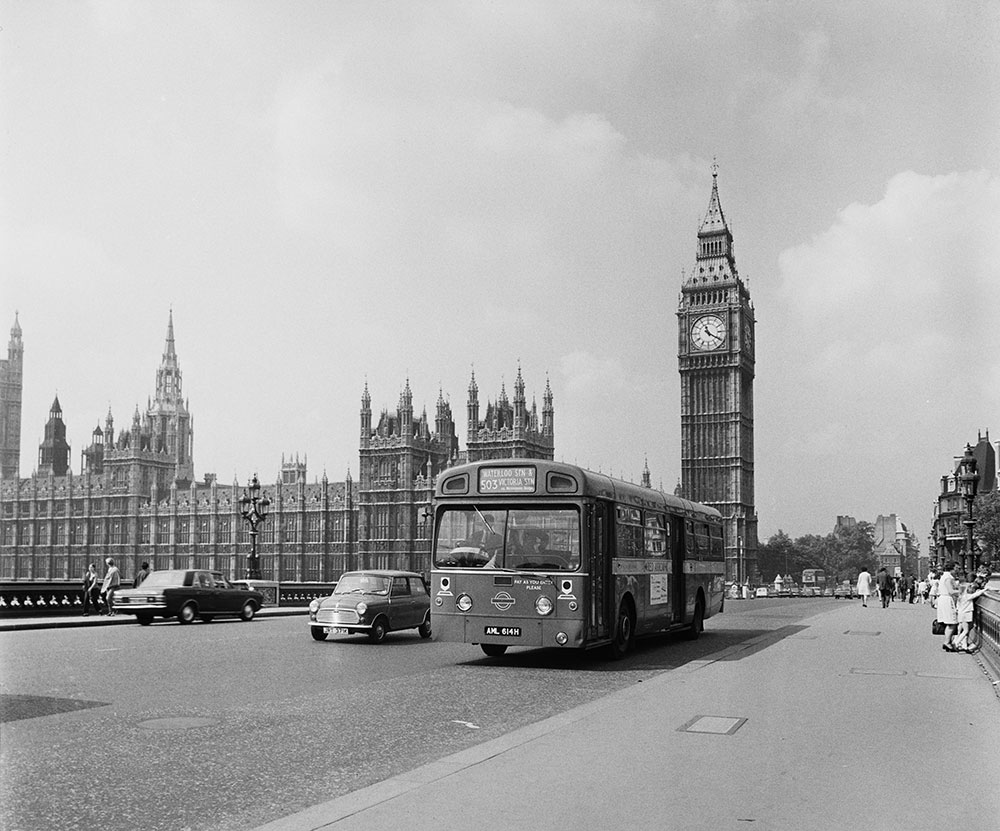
(136, 497)
(11, 386)
(508, 428)
(716, 362)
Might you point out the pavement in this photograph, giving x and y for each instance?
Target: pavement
(15, 624)
(854, 718)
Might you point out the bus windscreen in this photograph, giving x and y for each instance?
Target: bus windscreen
(537, 539)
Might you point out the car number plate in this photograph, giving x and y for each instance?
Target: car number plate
(503, 631)
(332, 630)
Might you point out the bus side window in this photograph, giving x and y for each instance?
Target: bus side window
(656, 535)
(690, 546)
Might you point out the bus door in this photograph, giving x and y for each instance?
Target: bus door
(679, 542)
(599, 571)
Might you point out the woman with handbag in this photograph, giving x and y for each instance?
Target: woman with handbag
(947, 609)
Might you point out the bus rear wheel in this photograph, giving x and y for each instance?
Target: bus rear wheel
(624, 638)
(698, 622)
(494, 650)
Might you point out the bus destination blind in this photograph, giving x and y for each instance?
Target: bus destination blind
(507, 480)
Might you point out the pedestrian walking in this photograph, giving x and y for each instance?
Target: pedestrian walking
(934, 578)
(141, 574)
(965, 609)
(947, 608)
(112, 580)
(885, 585)
(923, 589)
(911, 589)
(90, 589)
(864, 585)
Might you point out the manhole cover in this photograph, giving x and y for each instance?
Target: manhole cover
(719, 725)
(179, 723)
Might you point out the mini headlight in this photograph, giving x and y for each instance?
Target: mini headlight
(362, 607)
(313, 606)
(464, 602)
(543, 605)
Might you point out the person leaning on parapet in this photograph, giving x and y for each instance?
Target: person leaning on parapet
(884, 583)
(864, 585)
(90, 589)
(112, 580)
(141, 574)
(965, 610)
(947, 609)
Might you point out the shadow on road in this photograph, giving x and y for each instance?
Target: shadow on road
(652, 654)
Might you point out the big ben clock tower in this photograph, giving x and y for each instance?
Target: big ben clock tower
(716, 361)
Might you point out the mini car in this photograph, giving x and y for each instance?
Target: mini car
(373, 603)
(761, 591)
(187, 595)
(844, 590)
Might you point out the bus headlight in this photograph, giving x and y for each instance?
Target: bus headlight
(543, 605)
(464, 603)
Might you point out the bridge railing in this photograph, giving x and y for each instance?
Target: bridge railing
(26, 598)
(987, 619)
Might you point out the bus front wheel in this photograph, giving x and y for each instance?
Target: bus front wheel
(624, 638)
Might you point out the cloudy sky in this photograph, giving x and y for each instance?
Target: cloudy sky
(333, 193)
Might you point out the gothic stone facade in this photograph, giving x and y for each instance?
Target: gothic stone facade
(716, 362)
(136, 498)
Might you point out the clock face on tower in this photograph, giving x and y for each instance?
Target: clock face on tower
(708, 332)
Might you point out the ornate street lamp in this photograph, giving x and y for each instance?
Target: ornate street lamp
(968, 484)
(253, 508)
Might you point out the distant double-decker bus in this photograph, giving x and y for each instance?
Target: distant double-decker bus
(544, 554)
(814, 578)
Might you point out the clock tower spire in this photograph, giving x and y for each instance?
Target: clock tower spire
(716, 362)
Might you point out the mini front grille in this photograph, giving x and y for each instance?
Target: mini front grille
(339, 617)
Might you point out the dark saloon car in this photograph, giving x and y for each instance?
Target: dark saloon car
(373, 603)
(186, 595)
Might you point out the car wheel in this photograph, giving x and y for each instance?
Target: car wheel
(249, 610)
(493, 650)
(378, 631)
(144, 620)
(187, 613)
(425, 628)
(318, 633)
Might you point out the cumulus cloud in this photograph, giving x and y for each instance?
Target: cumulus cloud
(895, 281)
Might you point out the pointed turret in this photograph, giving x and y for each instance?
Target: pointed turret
(715, 259)
(472, 410)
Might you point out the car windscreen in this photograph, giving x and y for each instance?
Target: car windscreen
(531, 539)
(362, 584)
(164, 579)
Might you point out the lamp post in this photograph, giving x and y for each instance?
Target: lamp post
(253, 508)
(968, 483)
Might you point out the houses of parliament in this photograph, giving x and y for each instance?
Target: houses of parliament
(137, 498)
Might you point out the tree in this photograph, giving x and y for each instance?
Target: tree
(986, 510)
(857, 549)
(775, 556)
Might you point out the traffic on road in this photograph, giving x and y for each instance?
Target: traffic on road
(231, 726)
